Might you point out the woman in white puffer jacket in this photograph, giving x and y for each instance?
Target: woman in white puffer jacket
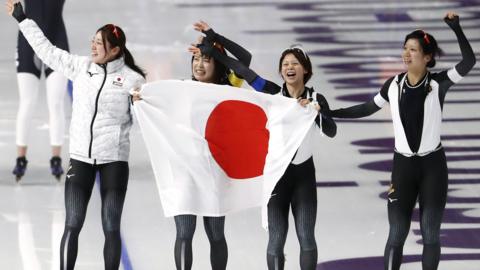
(99, 129)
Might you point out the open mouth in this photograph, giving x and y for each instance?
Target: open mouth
(291, 74)
(200, 72)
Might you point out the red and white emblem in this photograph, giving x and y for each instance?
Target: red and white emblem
(118, 81)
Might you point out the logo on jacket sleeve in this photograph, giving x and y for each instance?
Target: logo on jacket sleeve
(118, 81)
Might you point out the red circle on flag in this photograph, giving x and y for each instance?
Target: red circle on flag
(238, 138)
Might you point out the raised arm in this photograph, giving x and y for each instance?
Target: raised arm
(57, 59)
(236, 50)
(257, 82)
(468, 57)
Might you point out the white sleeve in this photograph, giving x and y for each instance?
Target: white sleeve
(57, 59)
(379, 100)
(453, 75)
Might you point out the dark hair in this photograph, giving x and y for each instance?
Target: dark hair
(428, 43)
(116, 37)
(302, 57)
(221, 72)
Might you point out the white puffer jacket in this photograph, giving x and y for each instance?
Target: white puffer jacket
(101, 118)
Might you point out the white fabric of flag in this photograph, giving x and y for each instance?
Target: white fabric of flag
(215, 149)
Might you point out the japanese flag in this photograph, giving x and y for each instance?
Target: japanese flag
(216, 149)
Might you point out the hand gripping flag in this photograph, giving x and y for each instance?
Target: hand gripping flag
(216, 149)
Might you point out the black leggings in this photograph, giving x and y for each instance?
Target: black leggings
(297, 188)
(48, 15)
(78, 189)
(214, 227)
(426, 178)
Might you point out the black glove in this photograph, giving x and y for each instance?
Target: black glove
(453, 23)
(211, 35)
(205, 48)
(18, 13)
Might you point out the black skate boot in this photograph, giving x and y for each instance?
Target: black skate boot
(56, 167)
(20, 168)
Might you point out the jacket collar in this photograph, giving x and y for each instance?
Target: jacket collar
(112, 66)
(305, 94)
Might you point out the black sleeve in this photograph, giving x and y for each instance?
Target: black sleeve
(238, 51)
(361, 110)
(357, 111)
(257, 82)
(444, 83)
(329, 127)
(468, 57)
(385, 87)
(235, 65)
(271, 88)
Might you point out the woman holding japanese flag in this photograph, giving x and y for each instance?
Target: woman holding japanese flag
(297, 187)
(208, 70)
(99, 129)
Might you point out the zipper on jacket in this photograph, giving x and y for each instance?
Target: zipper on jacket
(96, 109)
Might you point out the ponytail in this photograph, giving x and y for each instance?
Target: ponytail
(130, 62)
